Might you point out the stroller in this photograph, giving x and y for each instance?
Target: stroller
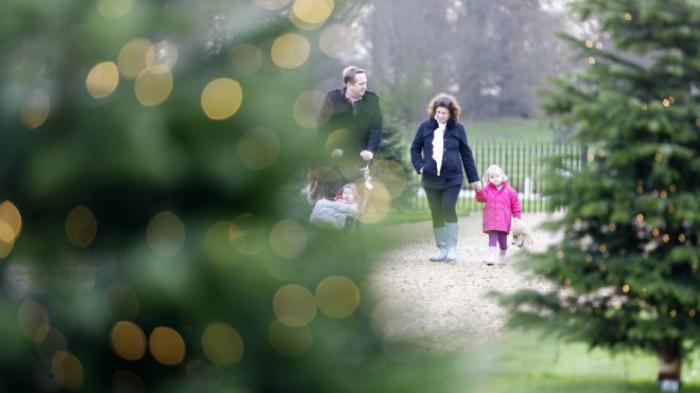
(340, 209)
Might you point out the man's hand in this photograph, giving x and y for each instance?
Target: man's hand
(366, 155)
(337, 153)
(477, 185)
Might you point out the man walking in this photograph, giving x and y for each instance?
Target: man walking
(351, 119)
(350, 129)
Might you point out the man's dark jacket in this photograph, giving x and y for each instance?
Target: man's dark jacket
(351, 130)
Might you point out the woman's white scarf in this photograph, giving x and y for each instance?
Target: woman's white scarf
(438, 145)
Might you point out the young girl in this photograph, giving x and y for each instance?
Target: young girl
(348, 195)
(501, 204)
(338, 213)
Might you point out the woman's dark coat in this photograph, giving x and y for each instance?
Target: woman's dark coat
(456, 154)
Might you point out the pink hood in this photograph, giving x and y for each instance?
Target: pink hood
(500, 206)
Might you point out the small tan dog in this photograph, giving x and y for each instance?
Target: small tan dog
(522, 236)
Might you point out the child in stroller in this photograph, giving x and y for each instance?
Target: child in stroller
(339, 213)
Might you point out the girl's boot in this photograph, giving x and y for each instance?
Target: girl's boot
(502, 258)
(492, 256)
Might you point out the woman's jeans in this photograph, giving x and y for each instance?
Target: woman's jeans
(443, 203)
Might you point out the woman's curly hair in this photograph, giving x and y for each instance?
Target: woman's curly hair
(446, 101)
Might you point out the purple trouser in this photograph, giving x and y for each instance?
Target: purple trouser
(498, 237)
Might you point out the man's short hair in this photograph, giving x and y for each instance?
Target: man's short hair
(350, 72)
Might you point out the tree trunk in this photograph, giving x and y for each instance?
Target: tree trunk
(669, 355)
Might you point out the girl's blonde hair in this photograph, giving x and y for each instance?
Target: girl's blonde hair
(494, 170)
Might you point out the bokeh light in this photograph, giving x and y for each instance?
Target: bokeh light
(217, 245)
(221, 98)
(246, 234)
(377, 203)
(102, 80)
(290, 51)
(294, 305)
(290, 341)
(67, 370)
(307, 107)
(349, 166)
(245, 60)
(258, 148)
(161, 57)
(10, 216)
(165, 234)
(7, 239)
(114, 8)
(312, 13)
(81, 227)
(132, 57)
(128, 340)
(121, 302)
(288, 239)
(167, 346)
(391, 174)
(33, 321)
(152, 88)
(35, 110)
(336, 40)
(272, 5)
(127, 381)
(222, 344)
(10, 227)
(337, 296)
(336, 138)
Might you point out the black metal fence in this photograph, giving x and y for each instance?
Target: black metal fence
(524, 164)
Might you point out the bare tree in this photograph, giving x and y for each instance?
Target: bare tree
(492, 54)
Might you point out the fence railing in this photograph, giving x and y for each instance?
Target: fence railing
(525, 166)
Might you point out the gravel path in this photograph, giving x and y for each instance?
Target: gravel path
(445, 307)
(441, 307)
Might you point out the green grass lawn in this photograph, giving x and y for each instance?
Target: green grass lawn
(421, 213)
(528, 363)
(526, 130)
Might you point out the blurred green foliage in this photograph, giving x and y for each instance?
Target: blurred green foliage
(185, 220)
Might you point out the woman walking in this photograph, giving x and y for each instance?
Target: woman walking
(439, 152)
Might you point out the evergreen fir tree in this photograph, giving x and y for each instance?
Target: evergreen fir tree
(394, 149)
(625, 273)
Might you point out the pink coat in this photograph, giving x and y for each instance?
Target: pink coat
(501, 205)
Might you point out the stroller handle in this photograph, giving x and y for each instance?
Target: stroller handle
(368, 179)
